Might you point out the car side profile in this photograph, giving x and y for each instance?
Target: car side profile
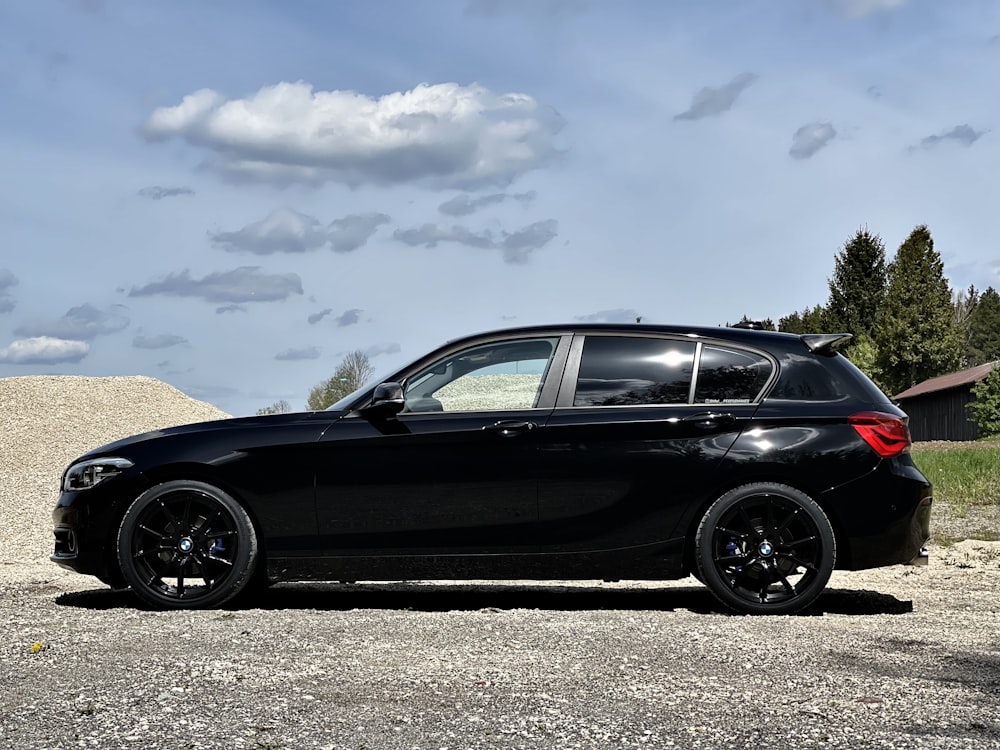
(756, 461)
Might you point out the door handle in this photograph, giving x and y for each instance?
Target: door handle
(509, 429)
(710, 419)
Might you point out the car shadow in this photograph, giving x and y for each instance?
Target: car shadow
(467, 597)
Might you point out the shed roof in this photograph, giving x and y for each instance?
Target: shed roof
(946, 382)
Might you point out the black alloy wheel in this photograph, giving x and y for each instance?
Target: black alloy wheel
(186, 545)
(765, 549)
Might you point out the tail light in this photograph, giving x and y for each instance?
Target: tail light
(887, 434)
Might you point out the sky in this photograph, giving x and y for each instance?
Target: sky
(230, 196)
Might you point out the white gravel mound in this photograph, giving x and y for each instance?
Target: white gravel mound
(50, 420)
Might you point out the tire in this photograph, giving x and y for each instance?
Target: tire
(187, 545)
(765, 549)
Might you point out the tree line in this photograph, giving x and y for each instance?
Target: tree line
(907, 323)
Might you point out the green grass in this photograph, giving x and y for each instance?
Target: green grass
(963, 474)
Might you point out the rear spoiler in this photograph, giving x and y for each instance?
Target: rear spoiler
(823, 342)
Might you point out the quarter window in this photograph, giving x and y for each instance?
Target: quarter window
(628, 371)
(726, 376)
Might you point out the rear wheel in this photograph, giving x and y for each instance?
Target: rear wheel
(765, 549)
(185, 544)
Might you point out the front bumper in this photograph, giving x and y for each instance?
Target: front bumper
(84, 527)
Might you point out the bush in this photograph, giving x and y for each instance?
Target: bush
(984, 410)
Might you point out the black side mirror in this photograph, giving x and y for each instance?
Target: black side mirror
(387, 401)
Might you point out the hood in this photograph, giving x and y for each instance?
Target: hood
(237, 423)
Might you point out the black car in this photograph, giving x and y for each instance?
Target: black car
(756, 461)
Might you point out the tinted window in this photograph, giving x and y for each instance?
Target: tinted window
(824, 378)
(726, 376)
(624, 371)
(499, 376)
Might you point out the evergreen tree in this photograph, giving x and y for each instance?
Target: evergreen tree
(765, 325)
(964, 306)
(352, 373)
(916, 337)
(864, 355)
(858, 286)
(807, 321)
(983, 341)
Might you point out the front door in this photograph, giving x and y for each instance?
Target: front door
(455, 473)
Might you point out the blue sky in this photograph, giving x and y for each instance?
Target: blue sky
(230, 196)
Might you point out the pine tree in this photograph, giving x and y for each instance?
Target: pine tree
(808, 321)
(983, 343)
(858, 286)
(915, 336)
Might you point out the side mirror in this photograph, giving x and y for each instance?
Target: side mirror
(387, 401)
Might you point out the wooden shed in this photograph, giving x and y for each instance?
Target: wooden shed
(937, 406)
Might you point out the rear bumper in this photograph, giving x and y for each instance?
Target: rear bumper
(884, 517)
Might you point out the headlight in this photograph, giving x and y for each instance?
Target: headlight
(90, 473)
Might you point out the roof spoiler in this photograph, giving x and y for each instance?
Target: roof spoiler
(823, 342)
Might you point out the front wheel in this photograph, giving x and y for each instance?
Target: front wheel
(765, 549)
(186, 544)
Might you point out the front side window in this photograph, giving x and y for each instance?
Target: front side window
(633, 370)
(727, 376)
(491, 377)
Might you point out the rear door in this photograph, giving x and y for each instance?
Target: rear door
(639, 432)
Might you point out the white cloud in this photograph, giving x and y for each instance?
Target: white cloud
(43, 350)
(349, 317)
(963, 134)
(81, 322)
(378, 350)
(294, 355)
(353, 231)
(709, 101)
(463, 205)
(315, 318)
(282, 231)
(811, 138)
(517, 246)
(244, 284)
(443, 134)
(160, 341)
(158, 192)
(429, 235)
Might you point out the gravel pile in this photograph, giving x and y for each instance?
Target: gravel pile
(50, 420)
(513, 391)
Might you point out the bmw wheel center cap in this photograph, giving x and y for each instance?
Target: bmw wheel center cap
(185, 545)
(766, 549)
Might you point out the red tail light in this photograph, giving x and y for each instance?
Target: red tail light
(887, 434)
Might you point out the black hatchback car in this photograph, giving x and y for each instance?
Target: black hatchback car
(757, 461)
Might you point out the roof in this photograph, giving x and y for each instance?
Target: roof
(947, 382)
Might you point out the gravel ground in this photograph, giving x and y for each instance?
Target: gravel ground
(893, 658)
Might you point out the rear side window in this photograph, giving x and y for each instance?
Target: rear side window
(728, 376)
(630, 371)
(830, 377)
